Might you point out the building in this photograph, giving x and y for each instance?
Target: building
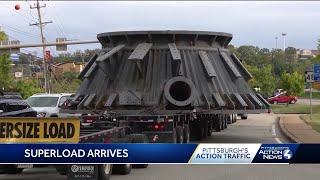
(304, 54)
(61, 68)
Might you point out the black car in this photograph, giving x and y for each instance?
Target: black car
(11, 107)
(14, 106)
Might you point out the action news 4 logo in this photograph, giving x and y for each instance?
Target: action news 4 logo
(275, 153)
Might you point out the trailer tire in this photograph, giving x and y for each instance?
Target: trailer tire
(12, 169)
(210, 127)
(205, 125)
(105, 171)
(244, 116)
(62, 169)
(186, 134)
(138, 138)
(225, 122)
(122, 169)
(179, 131)
(174, 137)
(221, 118)
(217, 124)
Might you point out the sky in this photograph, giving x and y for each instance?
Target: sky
(255, 23)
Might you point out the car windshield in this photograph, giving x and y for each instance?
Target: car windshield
(43, 101)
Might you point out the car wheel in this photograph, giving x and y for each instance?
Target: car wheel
(179, 131)
(12, 169)
(292, 101)
(186, 134)
(105, 171)
(122, 169)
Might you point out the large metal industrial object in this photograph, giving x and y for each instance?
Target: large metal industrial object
(166, 70)
(183, 75)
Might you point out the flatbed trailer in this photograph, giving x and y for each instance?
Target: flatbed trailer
(109, 132)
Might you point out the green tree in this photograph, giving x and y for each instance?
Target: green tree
(262, 78)
(3, 36)
(27, 88)
(5, 72)
(67, 83)
(292, 83)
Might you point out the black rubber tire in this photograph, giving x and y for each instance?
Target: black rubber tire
(122, 169)
(179, 131)
(225, 122)
(244, 116)
(186, 134)
(210, 127)
(138, 138)
(12, 169)
(222, 122)
(62, 169)
(140, 166)
(217, 124)
(234, 118)
(205, 127)
(229, 119)
(174, 137)
(103, 174)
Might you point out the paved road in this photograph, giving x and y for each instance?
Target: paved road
(257, 129)
(307, 101)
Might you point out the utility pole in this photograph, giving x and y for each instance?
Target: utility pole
(276, 43)
(41, 24)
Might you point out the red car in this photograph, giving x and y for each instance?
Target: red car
(282, 98)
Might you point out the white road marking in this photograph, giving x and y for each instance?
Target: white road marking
(278, 140)
(273, 130)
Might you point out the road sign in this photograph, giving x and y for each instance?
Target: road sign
(309, 77)
(61, 47)
(316, 70)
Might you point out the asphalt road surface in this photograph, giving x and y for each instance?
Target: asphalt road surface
(261, 128)
(307, 101)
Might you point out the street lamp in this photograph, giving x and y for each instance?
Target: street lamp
(284, 40)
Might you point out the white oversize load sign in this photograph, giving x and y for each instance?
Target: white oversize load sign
(224, 153)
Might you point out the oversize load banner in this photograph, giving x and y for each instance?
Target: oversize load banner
(39, 130)
(158, 153)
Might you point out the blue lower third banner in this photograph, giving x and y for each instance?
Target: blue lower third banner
(158, 153)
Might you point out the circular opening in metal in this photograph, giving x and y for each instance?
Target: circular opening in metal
(180, 91)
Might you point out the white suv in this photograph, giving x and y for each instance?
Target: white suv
(47, 105)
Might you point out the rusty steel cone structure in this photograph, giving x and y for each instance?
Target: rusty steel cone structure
(165, 72)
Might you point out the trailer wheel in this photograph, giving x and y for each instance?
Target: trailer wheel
(139, 138)
(204, 128)
(174, 136)
(12, 169)
(210, 124)
(225, 122)
(221, 118)
(244, 116)
(122, 169)
(234, 118)
(61, 169)
(186, 134)
(179, 131)
(105, 171)
(217, 124)
(229, 119)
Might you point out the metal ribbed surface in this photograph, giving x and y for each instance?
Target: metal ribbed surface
(146, 82)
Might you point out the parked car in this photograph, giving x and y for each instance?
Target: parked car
(15, 107)
(283, 98)
(48, 105)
